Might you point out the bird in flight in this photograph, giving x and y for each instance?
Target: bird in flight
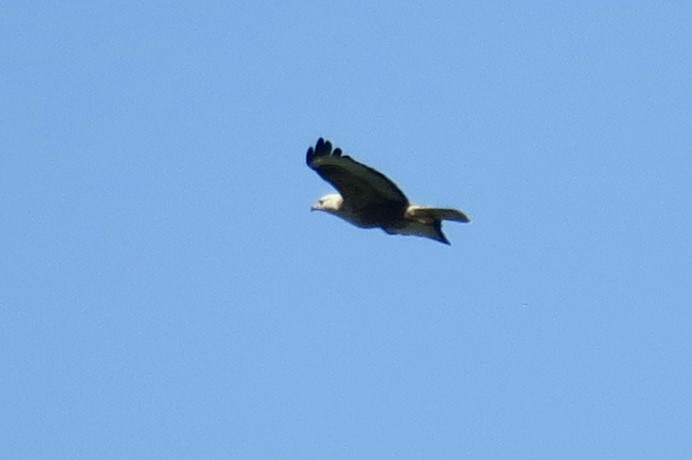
(368, 199)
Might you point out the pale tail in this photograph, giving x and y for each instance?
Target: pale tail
(421, 212)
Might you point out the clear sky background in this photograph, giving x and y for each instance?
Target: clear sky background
(166, 293)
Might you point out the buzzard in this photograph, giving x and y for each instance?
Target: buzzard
(368, 199)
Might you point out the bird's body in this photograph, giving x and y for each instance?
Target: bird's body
(368, 199)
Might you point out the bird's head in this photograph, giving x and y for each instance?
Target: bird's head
(328, 203)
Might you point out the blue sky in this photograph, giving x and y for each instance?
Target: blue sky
(166, 293)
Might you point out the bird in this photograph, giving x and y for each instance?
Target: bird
(369, 199)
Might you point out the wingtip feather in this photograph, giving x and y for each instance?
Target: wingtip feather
(309, 156)
(322, 148)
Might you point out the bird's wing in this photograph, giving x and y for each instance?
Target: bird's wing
(361, 186)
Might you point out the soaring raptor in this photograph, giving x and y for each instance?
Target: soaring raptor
(368, 199)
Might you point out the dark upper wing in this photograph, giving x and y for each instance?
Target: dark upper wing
(361, 186)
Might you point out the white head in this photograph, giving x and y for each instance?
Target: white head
(328, 203)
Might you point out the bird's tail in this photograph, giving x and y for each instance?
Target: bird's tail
(426, 213)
